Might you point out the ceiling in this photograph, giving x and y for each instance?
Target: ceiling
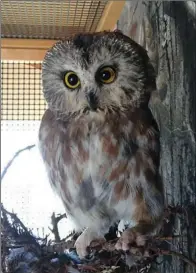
(49, 19)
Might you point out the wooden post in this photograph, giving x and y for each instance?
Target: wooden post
(169, 35)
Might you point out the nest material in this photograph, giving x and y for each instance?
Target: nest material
(22, 252)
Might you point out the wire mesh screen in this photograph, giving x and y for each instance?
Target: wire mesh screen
(21, 94)
(49, 19)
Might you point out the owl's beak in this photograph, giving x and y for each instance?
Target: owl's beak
(92, 101)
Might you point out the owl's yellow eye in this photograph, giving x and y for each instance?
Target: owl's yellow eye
(107, 74)
(71, 80)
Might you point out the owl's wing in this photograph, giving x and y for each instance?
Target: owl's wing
(52, 141)
(49, 133)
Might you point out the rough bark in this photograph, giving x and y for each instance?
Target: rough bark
(168, 31)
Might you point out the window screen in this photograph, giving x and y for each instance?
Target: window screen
(21, 91)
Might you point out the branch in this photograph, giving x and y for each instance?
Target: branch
(179, 255)
(14, 217)
(14, 226)
(13, 158)
(154, 247)
(60, 217)
(55, 220)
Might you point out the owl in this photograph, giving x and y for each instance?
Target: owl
(98, 138)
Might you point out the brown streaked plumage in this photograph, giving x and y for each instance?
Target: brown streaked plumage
(99, 140)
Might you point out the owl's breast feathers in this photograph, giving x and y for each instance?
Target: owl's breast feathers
(117, 159)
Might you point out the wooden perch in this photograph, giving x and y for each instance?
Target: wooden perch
(180, 256)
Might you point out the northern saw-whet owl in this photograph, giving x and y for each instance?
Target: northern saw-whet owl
(98, 138)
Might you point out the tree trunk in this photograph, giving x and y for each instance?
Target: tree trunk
(168, 31)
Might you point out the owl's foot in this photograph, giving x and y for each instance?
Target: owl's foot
(131, 240)
(84, 241)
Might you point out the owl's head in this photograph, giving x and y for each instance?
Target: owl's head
(100, 72)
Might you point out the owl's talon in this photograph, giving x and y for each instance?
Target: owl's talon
(81, 248)
(129, 239)
(84, 241)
